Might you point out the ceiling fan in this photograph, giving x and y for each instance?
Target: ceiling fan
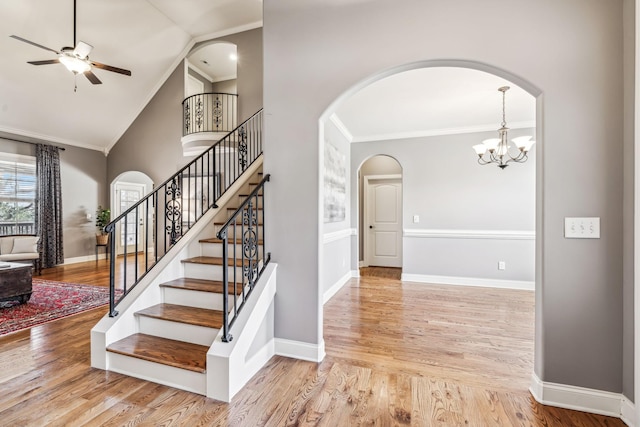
(75, 59)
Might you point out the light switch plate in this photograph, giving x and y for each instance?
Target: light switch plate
(582, 228)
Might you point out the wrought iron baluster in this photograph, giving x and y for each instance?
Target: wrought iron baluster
(226, 337)
(242, 148)
(173, 212)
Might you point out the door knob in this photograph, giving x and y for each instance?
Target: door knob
(371, 226)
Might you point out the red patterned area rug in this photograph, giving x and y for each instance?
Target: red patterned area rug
(50, 301)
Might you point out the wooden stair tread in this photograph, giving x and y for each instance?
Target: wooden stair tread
(179, 354)
(212, 260)
(184, 314)
(229, 240)
(187, 283)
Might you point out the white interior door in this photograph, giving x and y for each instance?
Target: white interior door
(127, 195)
(383, 221)
(194, 86)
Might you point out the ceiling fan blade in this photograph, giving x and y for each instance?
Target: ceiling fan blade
(82, 49)
(45, 62)
(92, 78)
(110, 68)
(34, 44)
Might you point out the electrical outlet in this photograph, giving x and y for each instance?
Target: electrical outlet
(582, 228)
(416, 219)
(502, 265)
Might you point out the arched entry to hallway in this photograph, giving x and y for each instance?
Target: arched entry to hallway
(380, 212)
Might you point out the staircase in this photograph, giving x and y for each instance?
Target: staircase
(170, 327)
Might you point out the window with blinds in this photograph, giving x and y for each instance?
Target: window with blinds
(17, 194)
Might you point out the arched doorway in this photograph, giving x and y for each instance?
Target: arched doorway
(380, 213)
(210, 107)
(413, 216)
(126, 190)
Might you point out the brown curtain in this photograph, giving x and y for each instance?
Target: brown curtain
(49, 205)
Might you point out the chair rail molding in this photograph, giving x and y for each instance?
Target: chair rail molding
(470, 234)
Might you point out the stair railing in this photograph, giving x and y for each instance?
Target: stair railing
(247, 258)
(148, 229)
(209, 112)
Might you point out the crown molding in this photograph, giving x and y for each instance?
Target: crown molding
(49, 138)
(341, 127)
(439, 132)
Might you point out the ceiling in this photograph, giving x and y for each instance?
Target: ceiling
(148, 37)
(218, 61)
(433, 101)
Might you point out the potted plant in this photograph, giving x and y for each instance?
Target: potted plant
(103, 216)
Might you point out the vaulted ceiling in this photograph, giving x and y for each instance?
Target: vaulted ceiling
(148, 37)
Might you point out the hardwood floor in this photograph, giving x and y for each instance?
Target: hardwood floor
(397, 355)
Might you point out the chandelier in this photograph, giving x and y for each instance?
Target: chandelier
(496, 150)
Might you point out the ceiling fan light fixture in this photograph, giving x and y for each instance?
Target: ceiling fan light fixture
(75, 65)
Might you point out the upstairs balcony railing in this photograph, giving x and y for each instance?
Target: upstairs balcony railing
(153, 225)
(209, 112)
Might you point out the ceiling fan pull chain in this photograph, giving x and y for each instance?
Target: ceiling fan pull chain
(75, 82)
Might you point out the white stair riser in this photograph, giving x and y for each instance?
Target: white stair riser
(199, 299)
(182, 379)
(215, 249)
(242, 199)
(238, 233)
(176, 331)
(210, 272)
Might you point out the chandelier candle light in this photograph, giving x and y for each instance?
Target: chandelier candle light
(496, 150)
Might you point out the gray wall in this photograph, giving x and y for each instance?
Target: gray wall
(225, 86)
(152, 145)
(444, 185)
(315, 52)
(83, 174)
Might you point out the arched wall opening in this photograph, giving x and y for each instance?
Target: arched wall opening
(126, 190)
(328, 125)
(379, 173)
(210, 106)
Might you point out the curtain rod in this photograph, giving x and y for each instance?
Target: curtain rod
(32, 143)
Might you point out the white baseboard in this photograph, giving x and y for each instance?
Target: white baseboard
(578, 398)
(299, 350)
(469, 281)
(78, 259)
(338, 285)
(361, 264)
(628, 412)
